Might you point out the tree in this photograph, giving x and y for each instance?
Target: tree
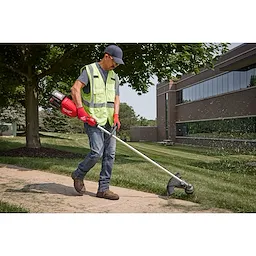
(142, 121)
(54, 121)
(28, 66)
(128, 119)
(127, 116)
(29, 72)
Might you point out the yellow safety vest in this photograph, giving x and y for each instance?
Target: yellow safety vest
(99, 103)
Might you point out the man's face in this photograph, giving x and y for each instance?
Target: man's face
(110, 63)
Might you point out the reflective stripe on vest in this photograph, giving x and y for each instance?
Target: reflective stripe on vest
(99, 103)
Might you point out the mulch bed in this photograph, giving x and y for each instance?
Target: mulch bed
(39, 152)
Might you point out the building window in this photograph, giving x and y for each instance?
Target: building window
(214, 86)
(237, 81)
(219, 85)
(252, 81)
(179, 97)
(232, 81)
(243, 80)
(251, 77)
(210, 90)
(225, 83)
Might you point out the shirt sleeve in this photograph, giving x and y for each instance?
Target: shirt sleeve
(83, 78)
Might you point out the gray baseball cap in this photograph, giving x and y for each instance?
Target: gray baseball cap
(116, 52)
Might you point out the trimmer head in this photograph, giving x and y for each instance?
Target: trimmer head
(189, 189)
(175, 183)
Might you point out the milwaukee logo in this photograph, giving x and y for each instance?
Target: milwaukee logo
(67, 111)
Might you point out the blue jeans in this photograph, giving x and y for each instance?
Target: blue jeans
(101, 146)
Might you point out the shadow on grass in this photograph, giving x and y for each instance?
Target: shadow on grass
(54, 136)
(40, 152)
(23, 134)
(6, 145)
(51, 188)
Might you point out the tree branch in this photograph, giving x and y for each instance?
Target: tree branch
(14, 70)
(56, 66)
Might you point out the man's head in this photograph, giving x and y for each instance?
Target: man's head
(113, 57)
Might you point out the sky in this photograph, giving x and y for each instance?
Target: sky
(145, 104)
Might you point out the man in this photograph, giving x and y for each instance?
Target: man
(96, 96)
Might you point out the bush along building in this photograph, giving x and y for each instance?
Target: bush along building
(216, 107)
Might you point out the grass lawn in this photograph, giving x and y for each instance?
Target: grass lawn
(221, 179)
(9, 208)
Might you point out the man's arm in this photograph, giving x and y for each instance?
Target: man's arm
(77, 99)
(116, 112)
(117, 104)
(76, 93)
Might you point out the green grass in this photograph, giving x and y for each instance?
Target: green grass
(221, 179)
(9, 208)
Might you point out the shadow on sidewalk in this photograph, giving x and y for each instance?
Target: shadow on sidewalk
(51, 188)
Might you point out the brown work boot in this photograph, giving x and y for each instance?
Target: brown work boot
(108, 195)
(78, 184)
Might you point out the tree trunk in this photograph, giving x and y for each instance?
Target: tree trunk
(32, 119)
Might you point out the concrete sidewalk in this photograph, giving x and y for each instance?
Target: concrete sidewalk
(41, 192)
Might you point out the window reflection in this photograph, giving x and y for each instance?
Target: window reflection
(210, 88)
(214, 86)
(227, 82)
(230, 82)
(236, 80)
(219, 85)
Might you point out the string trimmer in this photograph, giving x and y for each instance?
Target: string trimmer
(67, 107)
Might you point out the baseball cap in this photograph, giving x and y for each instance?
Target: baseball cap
(116, 52)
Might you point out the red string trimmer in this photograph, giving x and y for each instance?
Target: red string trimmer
(67, 107)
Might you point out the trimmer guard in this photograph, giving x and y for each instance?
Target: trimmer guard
(174, 183)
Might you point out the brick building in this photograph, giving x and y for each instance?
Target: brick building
(226, 94)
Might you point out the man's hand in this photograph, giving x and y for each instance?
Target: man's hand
(116, 121)
(85, 117)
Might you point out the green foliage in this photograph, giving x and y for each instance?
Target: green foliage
(253, 81)
(127, 116)
(3, 128)
(55, 121)
(52, 120)
(142, 121)
(231, 126)
(13, 113)
(10, 208)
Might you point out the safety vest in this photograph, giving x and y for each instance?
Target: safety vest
(99, 103)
